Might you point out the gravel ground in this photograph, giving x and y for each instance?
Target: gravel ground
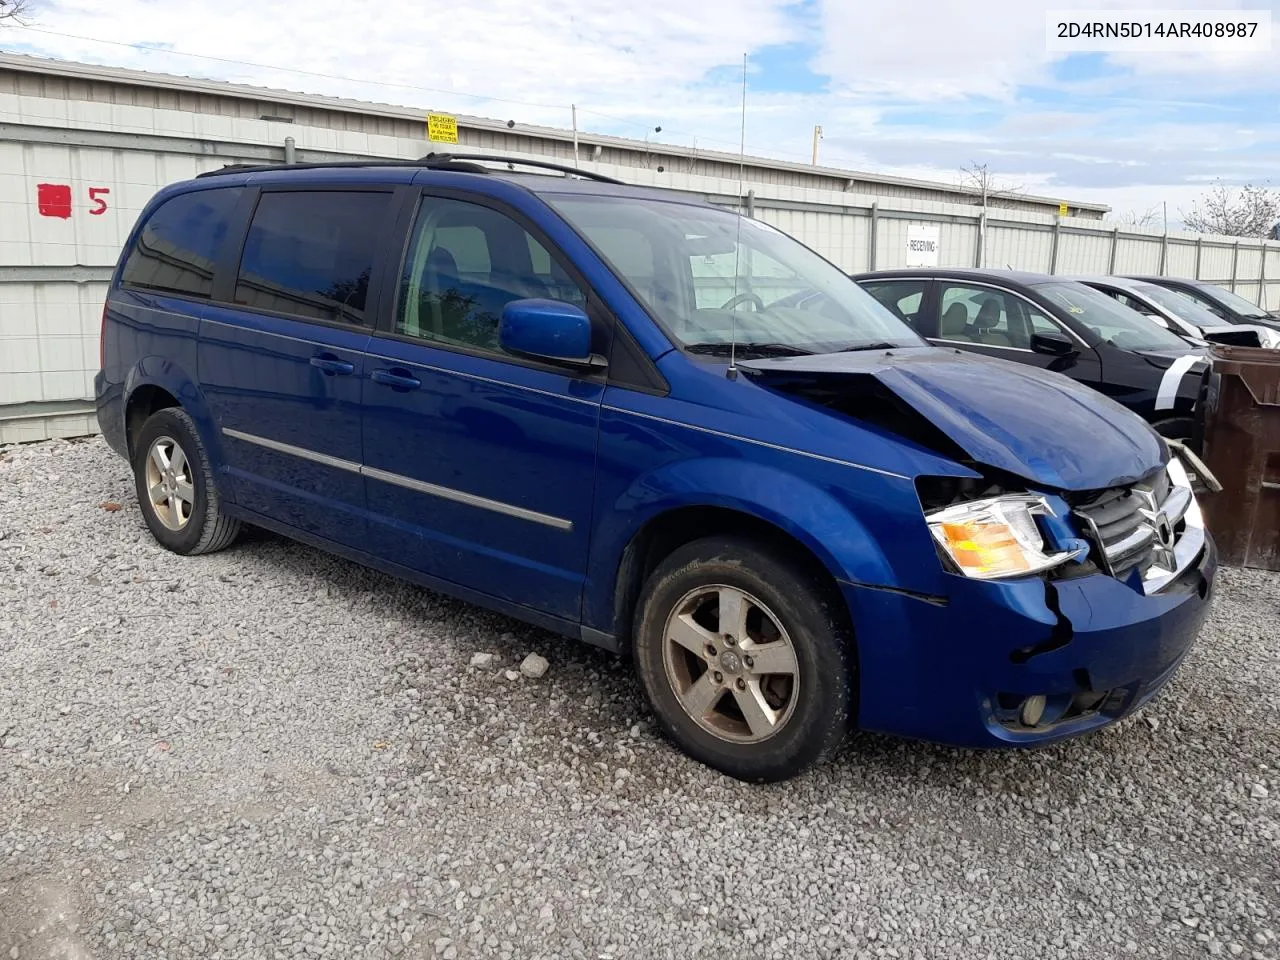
(271, 752)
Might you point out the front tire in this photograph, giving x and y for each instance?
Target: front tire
(744, 659)
(1176, 428)
(176, 492)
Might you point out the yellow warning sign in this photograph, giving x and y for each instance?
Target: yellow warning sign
(442, 128)
(1063, 209)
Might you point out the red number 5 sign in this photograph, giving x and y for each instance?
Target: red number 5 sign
(54, 200)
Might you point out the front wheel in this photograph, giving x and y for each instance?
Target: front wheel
(744, 659)
(1175, 428)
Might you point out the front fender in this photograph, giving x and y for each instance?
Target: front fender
(804, 509)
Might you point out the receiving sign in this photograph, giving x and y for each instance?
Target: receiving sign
(922, 245)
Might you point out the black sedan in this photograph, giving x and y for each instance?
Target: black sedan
(1057, 325)
(1219, 301)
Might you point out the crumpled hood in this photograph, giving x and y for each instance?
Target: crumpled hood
(1041, 426)
(1240, 334)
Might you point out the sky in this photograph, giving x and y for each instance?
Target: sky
(918, 89)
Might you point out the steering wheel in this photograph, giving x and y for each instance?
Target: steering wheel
(743, 298)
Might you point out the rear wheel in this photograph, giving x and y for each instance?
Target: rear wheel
(175, 486)
(744, 660)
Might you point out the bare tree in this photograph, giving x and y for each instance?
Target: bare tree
(1250, 212)
(15, 10)
(1146, 219)
(978, 179)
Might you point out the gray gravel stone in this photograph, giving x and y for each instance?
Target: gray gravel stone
(534, 666)
(242, 771)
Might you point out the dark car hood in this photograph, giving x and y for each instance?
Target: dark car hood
(1164, 358)
(1040, 426)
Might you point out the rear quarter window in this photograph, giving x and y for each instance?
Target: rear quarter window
(310, 253)
(179, 245)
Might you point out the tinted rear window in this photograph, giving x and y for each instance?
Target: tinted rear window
(180, 243)
(310, 253)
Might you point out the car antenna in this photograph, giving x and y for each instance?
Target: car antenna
(732, 372)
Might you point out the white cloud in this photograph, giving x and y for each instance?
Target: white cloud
(940, 49)
(674, 63)
(553, 52)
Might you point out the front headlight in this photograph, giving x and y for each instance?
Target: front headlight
(997, 537)
(1269, 338)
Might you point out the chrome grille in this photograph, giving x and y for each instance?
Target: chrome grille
(1139, 527)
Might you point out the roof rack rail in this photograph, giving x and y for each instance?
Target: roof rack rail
(460, 162)
(325, 165)
(433, 159)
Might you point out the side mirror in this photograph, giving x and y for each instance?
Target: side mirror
(546, 329)
(1053, 344)
(1156, 318)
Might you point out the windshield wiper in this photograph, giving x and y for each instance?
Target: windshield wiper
(878, 345)
(724, 347)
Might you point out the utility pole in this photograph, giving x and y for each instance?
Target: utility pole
(817, 135)
(646, 145)
(573, 107)
(982, 226)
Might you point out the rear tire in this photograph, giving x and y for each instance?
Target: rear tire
(175, 486)
(763, 696)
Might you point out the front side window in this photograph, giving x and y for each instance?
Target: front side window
(1180, 306)
(310, 253)
(178, 247)
(901, 297)
(994, 318)
(1233, 302)
(465, 264)
(1110, 321)
(1133, 303)
(713, 278)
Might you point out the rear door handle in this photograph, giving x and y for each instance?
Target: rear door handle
(395, 380)
(331, 364)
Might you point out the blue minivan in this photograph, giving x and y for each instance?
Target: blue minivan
(597, 408)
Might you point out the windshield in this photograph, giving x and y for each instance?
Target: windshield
(1180, 306)
(1233, 302)
(710, 277)
(1112, 322)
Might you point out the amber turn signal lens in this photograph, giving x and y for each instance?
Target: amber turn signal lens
(985, 549)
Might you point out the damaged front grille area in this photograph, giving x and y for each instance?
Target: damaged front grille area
(1153, 527)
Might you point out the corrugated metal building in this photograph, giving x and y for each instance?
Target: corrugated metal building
(58, 80)
(83, 148)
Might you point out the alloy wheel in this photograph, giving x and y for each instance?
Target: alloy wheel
(731, 664)
(169, 483)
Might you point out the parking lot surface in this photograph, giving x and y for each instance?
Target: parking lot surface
(271, 752)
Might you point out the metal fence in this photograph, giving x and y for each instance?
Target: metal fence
(75, 175)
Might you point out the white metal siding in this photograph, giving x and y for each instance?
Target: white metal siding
(1182, 260)
(1215, 263)
(1020, 248)
(49, 340)
(50, 267)
(1080, 253)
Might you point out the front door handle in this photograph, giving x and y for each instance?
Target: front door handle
(331, 364)
(396, 379)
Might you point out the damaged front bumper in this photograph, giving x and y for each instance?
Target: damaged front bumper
(959, 669)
